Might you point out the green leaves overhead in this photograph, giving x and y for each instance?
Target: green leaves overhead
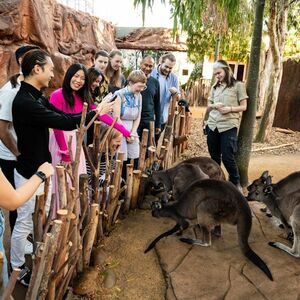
(207, 20)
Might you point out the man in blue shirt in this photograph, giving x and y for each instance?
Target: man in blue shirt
(168, 83)
(150, 99)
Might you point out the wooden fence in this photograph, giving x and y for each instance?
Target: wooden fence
(198, 93)
(63, 247)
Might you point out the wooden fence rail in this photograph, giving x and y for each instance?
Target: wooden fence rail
(63, 246)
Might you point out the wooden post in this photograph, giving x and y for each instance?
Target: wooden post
(181, 132)
(61, 182)
(143, 149)
(143, 183)
(39, 219)
(96, 161)
(121, 156)
(11, 284)
(129, 182)
(152, 134)
(36, 277)
(109, 209)
(135, 188)
(55, 232)
(84, 197)
(151, 155)
(88, 240)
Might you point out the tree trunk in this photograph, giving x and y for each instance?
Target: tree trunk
(264, 79)
(248, 118)
(277, 32)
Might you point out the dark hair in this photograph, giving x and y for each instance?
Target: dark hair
(93, 73)
(101, 53)
(83, 92)
(170, 56)
(33, 58)
(14, 80)
(23, 50)
(229, 78)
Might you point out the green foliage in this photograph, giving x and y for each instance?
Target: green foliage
(207, 20)
(292, 44)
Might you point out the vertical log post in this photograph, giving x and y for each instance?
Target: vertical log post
(84, 198)
(135, 188)
(89, 238)
(61, 182)
(11, 284)
(143, 183)
(152, 134)
(143, 149)
(129, 182)
(181, 133)
(54, 235)
(39, 219)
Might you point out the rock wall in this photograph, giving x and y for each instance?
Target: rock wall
(68, 35)
(287, 113)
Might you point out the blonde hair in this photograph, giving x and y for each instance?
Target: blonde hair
(114, 133)
(137, 76)
(115, 79)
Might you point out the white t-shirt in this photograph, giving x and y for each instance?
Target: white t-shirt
(7, 95)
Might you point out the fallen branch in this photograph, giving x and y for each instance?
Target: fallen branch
(273, 147)
(282, 130)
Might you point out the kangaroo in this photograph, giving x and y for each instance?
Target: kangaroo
(208, 203)
(283, 200)
(203, 167)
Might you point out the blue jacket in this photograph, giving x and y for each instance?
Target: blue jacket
(165, 95)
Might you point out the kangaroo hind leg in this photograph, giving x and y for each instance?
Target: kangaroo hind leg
(295, 222)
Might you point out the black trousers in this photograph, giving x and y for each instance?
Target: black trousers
(222, 146)
(7, 167)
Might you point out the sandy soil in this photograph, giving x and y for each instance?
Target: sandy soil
(139, 276)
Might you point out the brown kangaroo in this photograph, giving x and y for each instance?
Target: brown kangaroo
(283, 200)
(210, 203)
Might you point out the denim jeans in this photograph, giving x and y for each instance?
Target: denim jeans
(4, 275)
(24, 224)
(222, 146)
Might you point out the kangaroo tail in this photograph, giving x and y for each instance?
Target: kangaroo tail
(249, 253)
(169, 232)
(244, 224)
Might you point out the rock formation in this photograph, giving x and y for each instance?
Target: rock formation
(152, 39)
(68, 35)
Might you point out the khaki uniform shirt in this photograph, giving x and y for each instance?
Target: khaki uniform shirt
(229, 97)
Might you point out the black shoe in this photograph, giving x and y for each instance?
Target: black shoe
(24, 276)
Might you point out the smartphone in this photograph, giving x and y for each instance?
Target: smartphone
(113, 98)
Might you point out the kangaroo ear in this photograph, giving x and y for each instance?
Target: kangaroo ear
(268, 189)
(269, 180)
(264, 175)
(148, 172)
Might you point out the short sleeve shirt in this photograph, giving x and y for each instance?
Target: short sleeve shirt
(7, 95)
(229, 97)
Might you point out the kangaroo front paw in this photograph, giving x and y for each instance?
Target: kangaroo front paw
(273, 244)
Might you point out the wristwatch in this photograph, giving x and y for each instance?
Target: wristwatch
(41, 175)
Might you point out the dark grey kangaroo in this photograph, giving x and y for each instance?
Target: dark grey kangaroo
(210, 203)
(188, 170)
(283, 200)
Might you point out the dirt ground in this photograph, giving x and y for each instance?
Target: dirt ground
(139, 275)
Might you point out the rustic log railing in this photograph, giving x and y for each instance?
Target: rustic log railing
(63, 247)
